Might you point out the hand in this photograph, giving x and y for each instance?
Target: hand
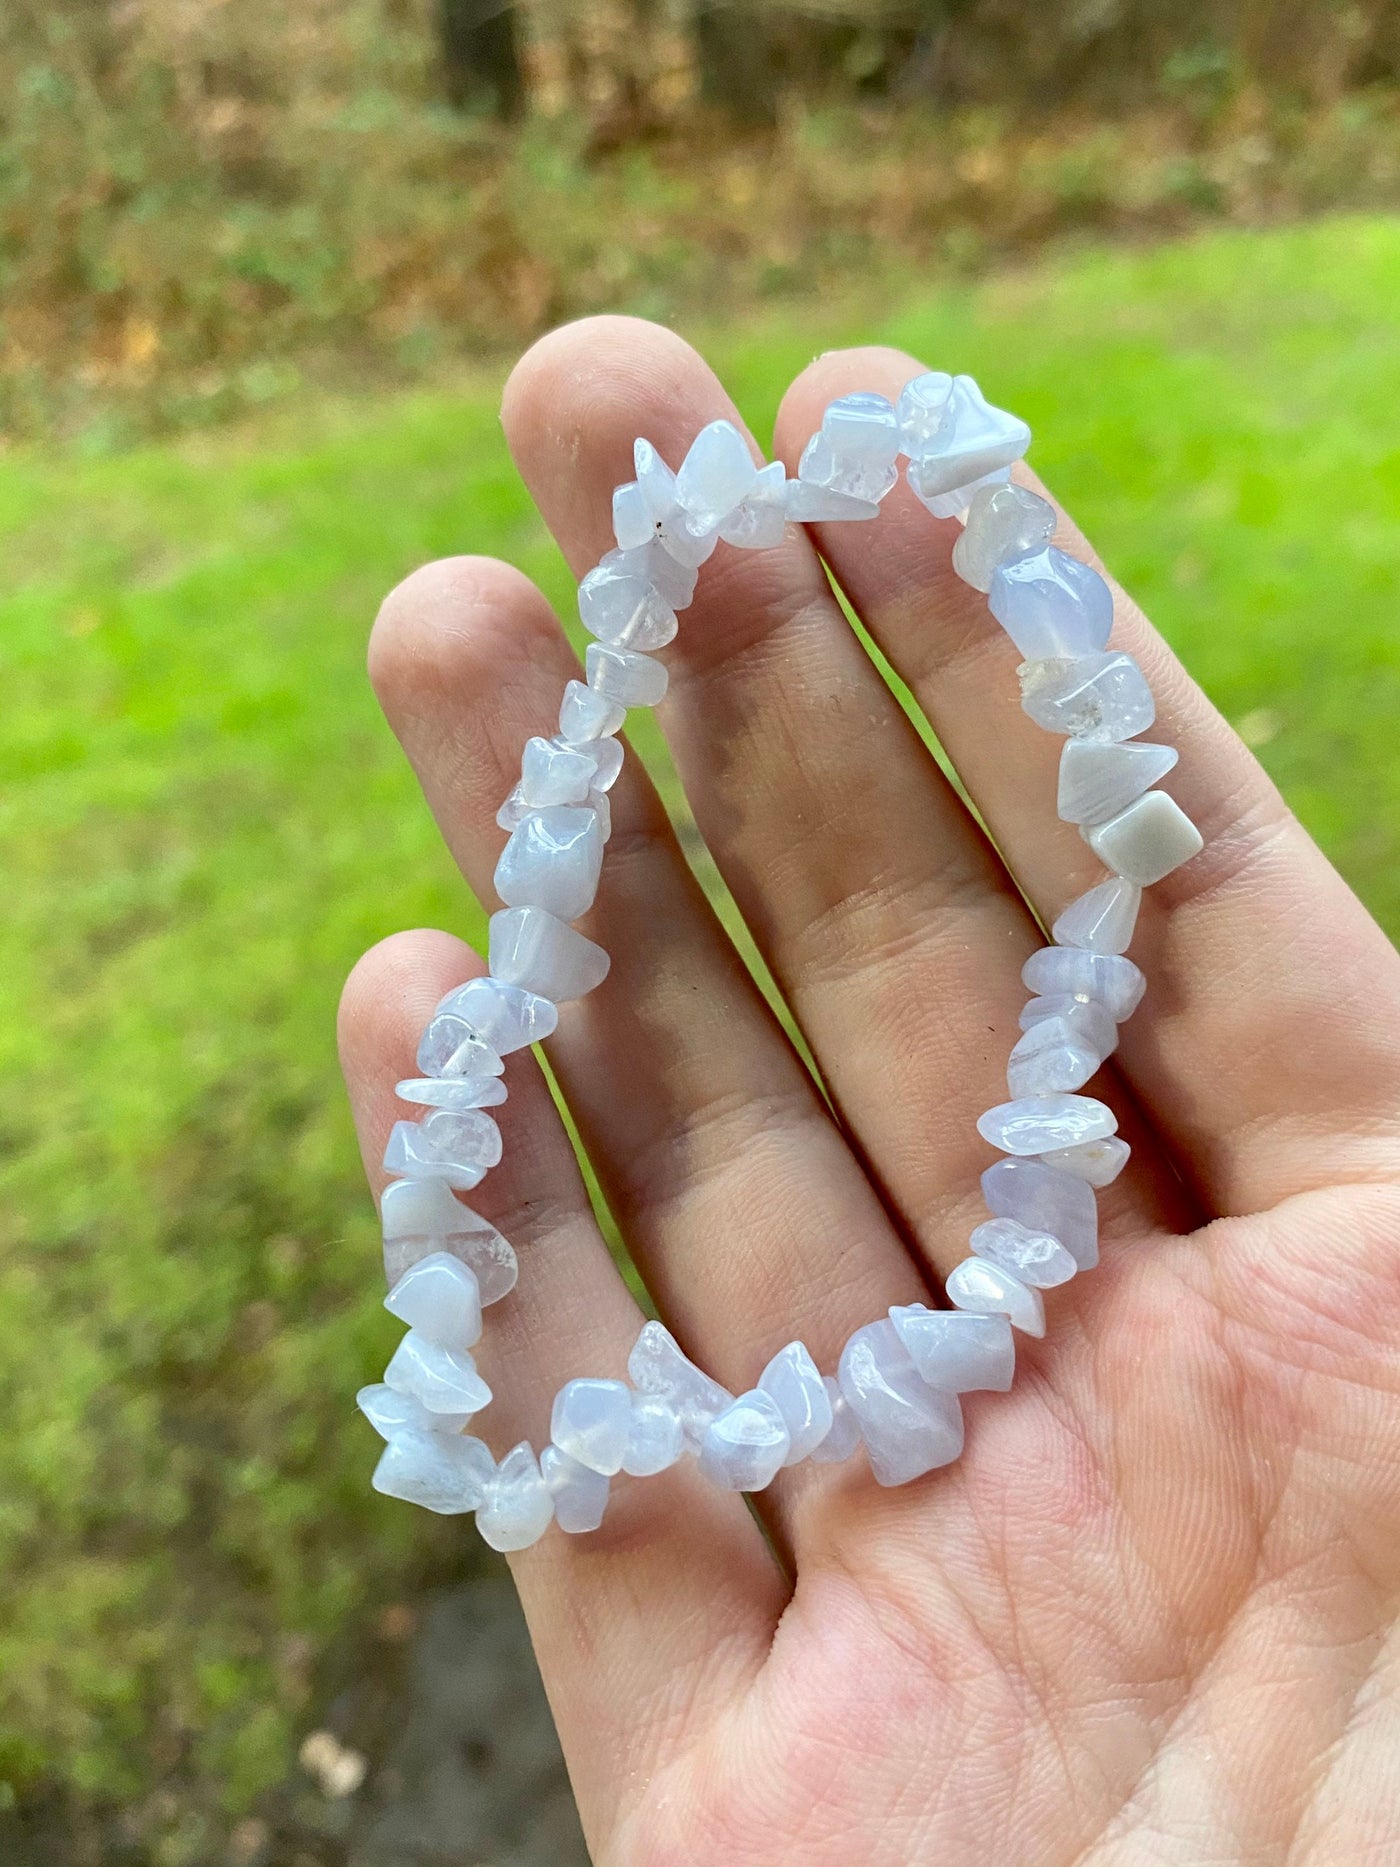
(1150, 1616)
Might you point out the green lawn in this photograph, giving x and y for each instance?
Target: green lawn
(204, 822)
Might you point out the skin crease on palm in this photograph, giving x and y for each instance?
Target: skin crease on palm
(1150, 1616)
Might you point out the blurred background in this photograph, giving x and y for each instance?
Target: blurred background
(262, 271)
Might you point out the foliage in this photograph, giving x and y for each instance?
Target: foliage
(203, 822)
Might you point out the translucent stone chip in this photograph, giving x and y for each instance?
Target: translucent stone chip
(553, 861)
(451, 1047)
(989, 1289)
(1084, 1015)
(909, 1428)
(1003, 522)
(625, 677)
(808, 504)
(759, 521)
(795, 1383)
(658, 1368)
(1039, 1196)
(585, 716)
(633, 523)
(390, 1412)
(655, 482)
(535, 949)
(625, 611)
(553, 772)
(452, 1092)
(439, 1299)
(580, 1495)
(1103, 697)
(457, 1146)
(1097, 781)
(1049, 1058)
(844, 1439)
(517, 1508)
(1097, 1163)
(956, 1350)
(1051, 604)
(1036, 1257)
(1103, 920)
(591, 1421)
(922, 409)
(1034, 1124)
(716, 476)
(505, 1016)
(1148, 840)
(1116, 983)
(655, 1440)
(855, 449)
(436, 1471)
(422, 1216)
(444, 1380)
(972, 440)
(744, 1446)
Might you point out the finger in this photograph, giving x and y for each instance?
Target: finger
(1267, 1047)
(647, 1626)
(886, 918)
(746, 1213)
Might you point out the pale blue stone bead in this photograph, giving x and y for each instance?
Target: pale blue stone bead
(1050, 1057)
(655, 1440)
(444, 1380)
(390, 1412)
(517, 1508)
(514, 810)
(1149, 839)
(987, 1289)
(458, 1146)
(535, 949)
(1035, 1124)
(552, 861)
(1003, 522)
(591, 1421)
(452, 1092)
(452, 1047)
(844, 1438)
(1097, 1163)
(633, 523)
(506, 1017)
(1047, 1200)
(955, 1350)
(793, 1380)
(658, 1368)
(807, 503)
(423, 1216)
(716, 476)
(855, 449)
(585, 716)
(552, 772)
(625, 677)
(957, 503)
(580, 1495)
(438, 1298)
(442, 1473)
(909, 1428)
(1051, 604)
(759, 521)
(602, 810)
(607, 756)
(746, 1445)
(922, 409)
(1103, 698)
(973, 439)
(1097, 781)
(1112, 981)
(681, 543)
(1085, 1016)
(626, 612)
(1037, 1258)
(673, 581)
(655, 481)
(1103, 920)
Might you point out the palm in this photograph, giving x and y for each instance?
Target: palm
(1149, 1615)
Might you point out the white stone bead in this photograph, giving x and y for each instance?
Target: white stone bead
(1003, 522)
(1148, 840)
(990, 1290)
(1048, 1201)
(759, 522)
(1116, 983)
(422, 1216)
(1102, 698)
(909, 1428)
(795, 1383)
(459, 1147)
(1036, 1257)
(553, 861)
(585, 716)
(1097, 781)
(517, 1508)
(655, 481)
(1035, 1124)
(452, 1092)
(1052, 604)
(1103, 920)
(450, 1047)
(655, 1440)
(680, 543)
(972, 440)
(716, 476)
(1050, 1057)
(591, 1421)
(657, 564)
(535, 949)
(658, 1368)
(957, 503)
(922, 409)
(627, 612)
(633, 523)
(1097, 1163)
(625, 677)
(956, 1350)
(505, 1016)
(444, 1380)
(1084, 1015)
(514, 810)
(438, 1298)
(745, 1446)
(602, 810)
(606, 755)
(553, 772)
(442, 1473)
(855, 449)
(844, 1437)
(389, 1412)
(580, 1495)
(807, 504)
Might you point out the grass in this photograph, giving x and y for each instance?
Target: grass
(203, 822)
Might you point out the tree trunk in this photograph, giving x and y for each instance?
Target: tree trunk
(481, 55)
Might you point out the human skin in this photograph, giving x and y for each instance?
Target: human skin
(1149, 1618)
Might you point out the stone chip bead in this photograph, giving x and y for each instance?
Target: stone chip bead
(591, 1421)
(535, 949)
(390, 1412)
(986, 1289)
(580, 1496)
(758, 522)
(421, 1217)
(444, 1380)
(1052, 604)
(716, 476)
(585, 715)
(625, 677)
(1034, 1124)
(1148, 840)
(624, 610)
(1097, 1163)
(1103, 920)
(452, 1092)
(655, 1440)
(658, 1368)
(552, 861)
(1046, 1200)
(956, 1350)
(553, 772)
(506, 1016)
(806, 503)
(450, 1047)
(1003, 522)
(1116, 983)
(844, 1439)
(1051, 1056)
(446, 1474)
(1102, 698)
(459, 1146)
(972, 441)
(440, 1300)
(1084, 1015)
(909, 1428)
(1097, 781)
(922, 409)
(855, 449)
(517, 1508)
(1034, 1256)
(747, 1444)
(793, 1380)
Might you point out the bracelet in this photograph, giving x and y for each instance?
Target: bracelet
(895, 1391)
